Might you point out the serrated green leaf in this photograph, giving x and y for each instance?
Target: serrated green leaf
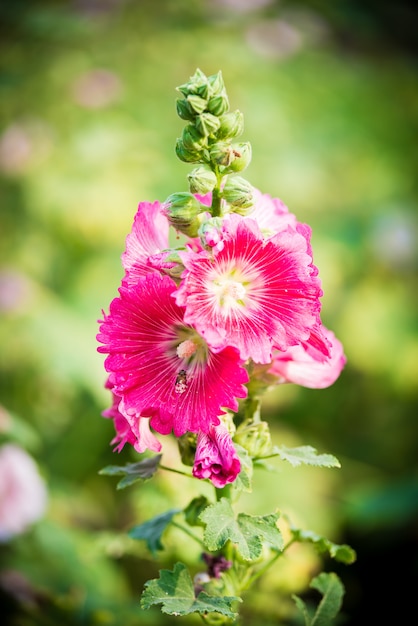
(175, 592)
(340, 552)
(305, 455)
(132, 472)
(152, 530)
(332, 590)
(247, 532)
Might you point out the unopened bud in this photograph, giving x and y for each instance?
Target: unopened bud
(238, 192)
(201, 180)
(182, 210)
(197, 103)
(188, 156)
(221, 153)
(218, 105)
(207, 124)
(241, 157)
(210, 232)
(184, 110)
(231, 125)
(217, 84)
(254, 437)
(192, 139)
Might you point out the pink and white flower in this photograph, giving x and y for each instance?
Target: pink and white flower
(253, 294)
(216, 458)
(160, 367)
(23, 492)
(149, 236)
(305, 364)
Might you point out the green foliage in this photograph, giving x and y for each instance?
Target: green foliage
(175, 592)
(332, 590)
(343, 553)
(152, 530)
(246, 531)
(133, 472)
(305, 455)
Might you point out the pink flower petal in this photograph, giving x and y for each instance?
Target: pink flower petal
(142, 335)
(216, 458)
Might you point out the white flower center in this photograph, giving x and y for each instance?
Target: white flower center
(229, 292)
(186, 348)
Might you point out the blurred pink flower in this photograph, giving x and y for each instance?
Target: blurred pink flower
(23, 493)
(253, 294)
(305, 365)
(161, 367)
(216, 457)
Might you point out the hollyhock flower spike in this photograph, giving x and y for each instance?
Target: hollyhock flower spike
(159, 365)
(216, 458)
(252, 294)
(306, 366)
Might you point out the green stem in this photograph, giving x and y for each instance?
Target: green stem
(176, 471)
(188, 532)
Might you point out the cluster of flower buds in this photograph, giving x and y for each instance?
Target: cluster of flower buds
(209, 139)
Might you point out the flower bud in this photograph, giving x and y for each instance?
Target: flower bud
(184, 110)
(254, 437)
(210, 232)
(218, 105)
(192, 139)
(238, 192)
(188, 156)
(221, 153)
(231, 125)
(197, 103)
(201, 180)
(182, 210)
(217, 85)
(241, 157)
(207, 124)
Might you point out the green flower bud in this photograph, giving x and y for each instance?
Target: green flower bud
(221, 153)
(182, 210)
(197, 103)
(201, 180)
(184, 110)
(231, 125)
(187, 448)
(241, 157)
(207, 124)
(188, 156)
(254, 437)
(218, 105)
(198, 79)
(192, 139)
(238, 192)
(217, 85)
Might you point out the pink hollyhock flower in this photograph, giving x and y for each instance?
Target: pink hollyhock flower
(149, 236)
(135, 430)
(216, 457)
(305, 364)
(161, 367)
(253, 294)
(23, 494)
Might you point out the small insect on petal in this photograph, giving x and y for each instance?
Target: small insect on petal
(181, 382)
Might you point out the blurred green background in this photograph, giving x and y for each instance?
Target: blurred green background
(329, 92)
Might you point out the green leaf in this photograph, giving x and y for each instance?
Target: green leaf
(307, 455)
(152, 530)
(243, 480)
(132, 472)
(194, 509)
(340, 552)
(175, 592)
(247, 531)
(332, 590)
